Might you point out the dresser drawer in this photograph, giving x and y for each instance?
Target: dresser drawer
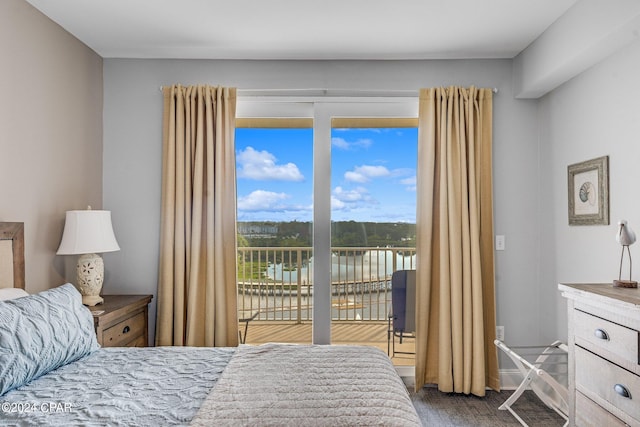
(126, 331)
(597, 379)
(590, 414)
(606, 338)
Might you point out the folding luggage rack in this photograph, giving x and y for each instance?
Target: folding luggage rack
(539, 376)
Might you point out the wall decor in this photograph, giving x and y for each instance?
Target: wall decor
(589, 192)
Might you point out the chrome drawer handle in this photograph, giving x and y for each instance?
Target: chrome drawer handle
(126, 329)
(602, 334)
(622, 391)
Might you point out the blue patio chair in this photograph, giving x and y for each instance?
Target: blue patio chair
(402, 319)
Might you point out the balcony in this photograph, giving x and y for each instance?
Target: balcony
(275, 284)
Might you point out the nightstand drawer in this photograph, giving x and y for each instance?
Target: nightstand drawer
(598, 335)
(122, 321)
(141, 341)
(121, 334)
(605, 383)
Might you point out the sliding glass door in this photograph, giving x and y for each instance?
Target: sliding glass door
(326, 209)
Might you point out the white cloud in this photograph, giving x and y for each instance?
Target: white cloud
(409, 183)
(348, 200)
(365, 173)
(337, 204)
(350, 195)
(261, 200)
(349, 145)
(400, 172)
(261, 165)
(269, 201)
(340, 143)
(355, 177)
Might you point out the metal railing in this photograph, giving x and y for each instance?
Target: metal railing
(277, 282)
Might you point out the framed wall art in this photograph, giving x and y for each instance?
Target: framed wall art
(589, 192)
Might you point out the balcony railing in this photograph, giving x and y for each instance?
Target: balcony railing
(277, 282)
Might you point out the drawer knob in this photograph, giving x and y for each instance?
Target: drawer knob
(622, 391)
(126, 329)
(602, 334)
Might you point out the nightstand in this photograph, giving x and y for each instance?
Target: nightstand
(122, 320)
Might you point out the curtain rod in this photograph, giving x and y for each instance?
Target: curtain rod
(331, 92)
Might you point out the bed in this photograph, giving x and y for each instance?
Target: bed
(52, 371)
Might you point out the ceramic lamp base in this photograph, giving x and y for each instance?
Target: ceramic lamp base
(90, 275)
(91, 300)
(625, 284)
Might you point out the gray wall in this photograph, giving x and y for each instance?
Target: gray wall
(594, 114)
(52, 155)
(51, 143)
(53, 137)
(132, 159)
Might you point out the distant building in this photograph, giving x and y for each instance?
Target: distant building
(253, 230)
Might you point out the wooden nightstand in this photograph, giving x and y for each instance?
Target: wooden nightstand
(122, 320)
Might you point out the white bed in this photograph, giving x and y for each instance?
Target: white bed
(52, 371)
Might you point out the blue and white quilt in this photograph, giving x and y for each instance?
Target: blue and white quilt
(53, 372)
(154, 386)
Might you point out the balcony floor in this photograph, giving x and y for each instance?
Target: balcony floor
(354, 332)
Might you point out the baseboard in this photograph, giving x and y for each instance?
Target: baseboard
(408, 375)
(510, 379)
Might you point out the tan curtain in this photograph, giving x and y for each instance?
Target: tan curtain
(456, 292)
(197, 277)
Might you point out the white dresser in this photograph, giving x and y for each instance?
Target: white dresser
(604, 354)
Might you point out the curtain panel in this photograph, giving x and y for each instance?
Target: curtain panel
(455, 295)
(197, 297)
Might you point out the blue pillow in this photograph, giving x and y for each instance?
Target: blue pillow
(42, 332)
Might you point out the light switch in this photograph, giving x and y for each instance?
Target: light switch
(500, 242)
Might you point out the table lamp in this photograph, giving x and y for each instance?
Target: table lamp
(625, 237)
(87, 233)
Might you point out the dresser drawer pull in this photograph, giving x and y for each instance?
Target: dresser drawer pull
(622, 391)
(602, 334)
(126, 329)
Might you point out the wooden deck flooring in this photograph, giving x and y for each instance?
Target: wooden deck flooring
(360, 333)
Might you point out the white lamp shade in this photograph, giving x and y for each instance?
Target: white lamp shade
(87, 232)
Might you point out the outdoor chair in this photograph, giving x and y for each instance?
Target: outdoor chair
(402, 318)
(245, 316)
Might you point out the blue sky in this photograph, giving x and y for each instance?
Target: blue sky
(372, 174)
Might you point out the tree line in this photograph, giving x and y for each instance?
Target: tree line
(343, 234)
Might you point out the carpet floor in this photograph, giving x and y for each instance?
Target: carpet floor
(449, 409)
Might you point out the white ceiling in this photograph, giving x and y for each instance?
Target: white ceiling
(305, 29)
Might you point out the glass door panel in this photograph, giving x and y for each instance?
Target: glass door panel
(373, 224)
(275, 258)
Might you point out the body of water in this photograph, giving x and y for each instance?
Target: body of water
(370, 265)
